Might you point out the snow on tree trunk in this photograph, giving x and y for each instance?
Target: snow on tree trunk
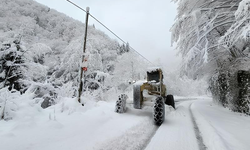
(231, 87)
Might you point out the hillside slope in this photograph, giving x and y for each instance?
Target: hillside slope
(41, 50)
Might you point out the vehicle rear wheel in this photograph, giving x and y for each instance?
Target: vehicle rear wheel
(169, 100)
(137, 97)
(159, 111)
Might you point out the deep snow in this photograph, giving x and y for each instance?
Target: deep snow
(96, 126)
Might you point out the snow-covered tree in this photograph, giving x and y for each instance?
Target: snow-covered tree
(12, 65)
(124, 48)
(236, 39)
(213, 38)
(199, 26)
(129, 67)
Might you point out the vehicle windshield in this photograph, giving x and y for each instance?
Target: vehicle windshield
(153, 76)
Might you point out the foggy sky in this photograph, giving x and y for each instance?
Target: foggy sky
(145, 24)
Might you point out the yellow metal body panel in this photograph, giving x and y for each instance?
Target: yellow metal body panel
(155, 88)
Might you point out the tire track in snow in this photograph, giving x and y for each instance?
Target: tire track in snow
(214, 138)
(177, 132)
(199, 138)
(135, 138)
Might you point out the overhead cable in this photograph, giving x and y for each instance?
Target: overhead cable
(109, 30)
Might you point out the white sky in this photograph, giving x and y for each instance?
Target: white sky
(145, 24)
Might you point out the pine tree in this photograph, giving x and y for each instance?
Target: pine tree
(122, 49)
(127, 48)
(12, 63)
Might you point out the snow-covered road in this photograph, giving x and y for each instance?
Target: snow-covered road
(196, 124)
(200, 124)
(178, 132)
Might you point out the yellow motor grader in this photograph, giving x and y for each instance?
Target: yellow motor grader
(153, 87)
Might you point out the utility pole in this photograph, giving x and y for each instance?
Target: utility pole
(132, 64)
(83, 68)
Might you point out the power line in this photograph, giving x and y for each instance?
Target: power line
(77, 6)
(109, 30)
(119, 37)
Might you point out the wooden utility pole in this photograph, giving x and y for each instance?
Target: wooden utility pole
(83, 68)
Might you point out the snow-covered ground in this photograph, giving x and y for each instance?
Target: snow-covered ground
(197, 123)
(212, 128)
(221, 128)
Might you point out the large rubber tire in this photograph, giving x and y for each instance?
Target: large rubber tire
(120, 106)
(169, 100)
(159, 111)
(137, 97)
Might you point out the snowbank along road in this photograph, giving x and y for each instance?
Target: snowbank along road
(196, 124)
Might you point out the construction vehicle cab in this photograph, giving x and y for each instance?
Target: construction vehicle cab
(155, 80)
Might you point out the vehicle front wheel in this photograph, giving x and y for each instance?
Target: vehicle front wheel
(120, 106)
(159, 111)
